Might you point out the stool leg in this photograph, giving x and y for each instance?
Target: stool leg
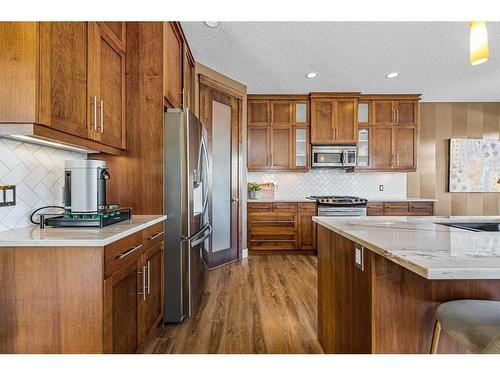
(435, 337)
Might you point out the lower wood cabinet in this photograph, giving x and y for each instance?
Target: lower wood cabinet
(85, 299)
(417, 208)
(281, 226)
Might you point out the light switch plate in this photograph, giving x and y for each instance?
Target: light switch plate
(358, 256)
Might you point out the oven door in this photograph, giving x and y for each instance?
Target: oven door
(324, 156)
(341, 211)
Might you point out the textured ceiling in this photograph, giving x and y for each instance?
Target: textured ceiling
(273, 57)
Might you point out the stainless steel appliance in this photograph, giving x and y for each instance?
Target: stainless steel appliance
(334, 156)
(85, 202)
(188, 228)
(340, 205)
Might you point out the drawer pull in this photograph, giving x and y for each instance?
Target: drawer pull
(155, 236)
(128, 252)
(272, 240)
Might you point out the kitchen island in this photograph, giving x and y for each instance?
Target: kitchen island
(381, 279)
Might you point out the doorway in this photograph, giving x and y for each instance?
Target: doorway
(220, 113)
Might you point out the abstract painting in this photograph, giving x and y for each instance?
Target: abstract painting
(474, 166)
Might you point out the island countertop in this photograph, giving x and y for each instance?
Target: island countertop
(98, 237)
(425, 247)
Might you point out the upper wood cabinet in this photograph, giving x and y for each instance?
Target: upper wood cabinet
(334, 118)
(189, 79)
(395, 111)
(172, 64)
(278, 132)
(64, 81)
(109, 88)
(66, 72)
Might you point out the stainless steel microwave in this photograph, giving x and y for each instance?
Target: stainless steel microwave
(334, 156)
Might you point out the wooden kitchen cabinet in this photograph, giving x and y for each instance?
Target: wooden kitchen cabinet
(405, 141)
(381, 148)
(189, 78)
(281, 226)
(172, 64)
(109, 88)
(395, 208)
(117, 31)
(63, 81)
(334, 118)
(278, 133)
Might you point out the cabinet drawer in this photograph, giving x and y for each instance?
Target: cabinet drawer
(396, 208)
(253, 207)
(284, 207)
(307, 207)
(273, 241)
(375, 209)
(421, 208)
(122, 252)
(272, 222)
(152, 236)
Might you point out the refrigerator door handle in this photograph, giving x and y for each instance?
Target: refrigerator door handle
(206, 231)
(203, 147)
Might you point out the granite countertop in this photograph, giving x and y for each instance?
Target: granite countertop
(419, 244)
(304, 199)
(35, 237)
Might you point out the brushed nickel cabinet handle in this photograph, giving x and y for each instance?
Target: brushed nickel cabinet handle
(128, 252)
(102, 116)
(149, 277)
(94, 106)
(155, 236)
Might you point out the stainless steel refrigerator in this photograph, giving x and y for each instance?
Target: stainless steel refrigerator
(186, 199)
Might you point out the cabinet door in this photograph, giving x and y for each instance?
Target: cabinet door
(322, 121)
(281, 147)
(258, 112)
(121, 306)
(364, 113)
(258, 148)
(307, 227)
(407, 112)
(281, 112)
(346, 121)
(172, 64)
(404, 147)
(301, 112)
(301, 148)
(116, 30)
(381, 155)
(188, 80)
(383, 112)
(109, 86)
(65, 78)
(151, 305)
(364, 137)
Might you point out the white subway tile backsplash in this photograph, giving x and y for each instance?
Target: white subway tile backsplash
(37, 172)
(334, 182)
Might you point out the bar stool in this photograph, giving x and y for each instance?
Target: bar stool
(473, 323)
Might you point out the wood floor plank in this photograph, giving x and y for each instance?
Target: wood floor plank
(262, 304)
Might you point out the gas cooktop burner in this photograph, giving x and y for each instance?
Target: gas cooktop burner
(335, 200)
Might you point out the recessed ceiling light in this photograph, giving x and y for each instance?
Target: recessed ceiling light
(212, 24)
(392, 75)
(311, 75)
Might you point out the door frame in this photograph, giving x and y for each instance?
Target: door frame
(228, 96)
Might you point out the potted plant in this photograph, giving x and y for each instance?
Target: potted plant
(253, 190)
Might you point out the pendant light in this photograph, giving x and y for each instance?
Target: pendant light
(479, 51)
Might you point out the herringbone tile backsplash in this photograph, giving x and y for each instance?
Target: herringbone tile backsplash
(38, 173)
(334, 182)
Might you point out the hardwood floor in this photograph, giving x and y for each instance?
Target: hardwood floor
(262, 304)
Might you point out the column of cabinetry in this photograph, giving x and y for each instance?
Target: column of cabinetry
(387, 131)
(65, 81)
(334, 118)
(278, 133)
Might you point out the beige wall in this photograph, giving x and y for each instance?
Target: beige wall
(438, 123)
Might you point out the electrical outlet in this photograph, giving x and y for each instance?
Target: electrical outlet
(8, 195)
(381, 188)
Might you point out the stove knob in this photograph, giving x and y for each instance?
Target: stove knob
(322, 201)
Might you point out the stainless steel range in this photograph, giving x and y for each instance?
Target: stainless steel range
(340, 205)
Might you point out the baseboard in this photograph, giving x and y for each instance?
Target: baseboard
(244, 253)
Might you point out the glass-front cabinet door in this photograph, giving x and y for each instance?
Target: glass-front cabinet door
(363, 113)
(301, 148)
(301, 113)
(363, 148)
